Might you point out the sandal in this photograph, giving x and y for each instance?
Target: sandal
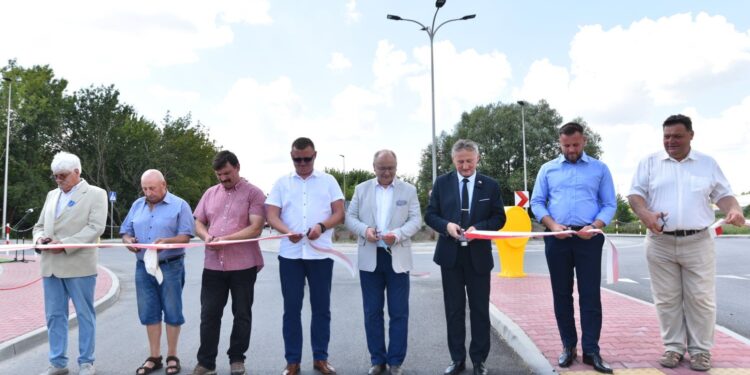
(143, 370)
(171, 370)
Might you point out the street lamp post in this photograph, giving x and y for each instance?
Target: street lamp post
(431, 31)
(343, 160)
(7, 154)
(523, 105)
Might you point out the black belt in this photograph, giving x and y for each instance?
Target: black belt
(172, 259)
(684, 232)
(575, 227)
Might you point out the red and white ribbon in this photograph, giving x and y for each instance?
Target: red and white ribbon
(715, 229)
(612, 263)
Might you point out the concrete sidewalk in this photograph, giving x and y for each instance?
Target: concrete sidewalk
(630, 340)
(22, 321)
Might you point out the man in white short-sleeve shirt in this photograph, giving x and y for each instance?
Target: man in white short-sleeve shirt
(310, 204)
(671, 193)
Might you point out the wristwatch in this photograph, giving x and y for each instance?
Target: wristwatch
(322, 228)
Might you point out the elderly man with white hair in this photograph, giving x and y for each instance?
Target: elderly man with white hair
(74, 213)
(159, 217)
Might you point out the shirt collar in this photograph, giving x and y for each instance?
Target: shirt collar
(584, 158)
(692, 155)
(233, 188)
(471, 178)
(73, 189)
(315, 173)
(391, 185)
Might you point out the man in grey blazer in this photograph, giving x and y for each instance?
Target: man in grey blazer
(384, 213)
(74, 213)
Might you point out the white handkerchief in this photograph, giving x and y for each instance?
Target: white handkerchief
(151, 258)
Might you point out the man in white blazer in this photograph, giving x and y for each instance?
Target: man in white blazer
(74, 213)
(384, 213)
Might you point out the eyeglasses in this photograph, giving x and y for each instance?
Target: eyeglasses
(663, 219)
(385, 169)
(59, 176)
(301, 160)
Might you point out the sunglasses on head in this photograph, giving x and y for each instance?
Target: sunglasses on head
(300, 160)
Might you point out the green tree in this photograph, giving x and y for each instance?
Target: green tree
(497, 129)
(181, 141)
(623, 213)
(353, 178)
(38, 104)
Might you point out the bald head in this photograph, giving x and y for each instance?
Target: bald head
(384, 164)
(154, 186)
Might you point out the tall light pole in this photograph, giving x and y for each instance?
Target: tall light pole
(431, 31)
(343, 160)
(523, 105)
(7, 155)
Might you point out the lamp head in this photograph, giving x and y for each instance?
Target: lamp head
(522, 103)
(439, 3)
(468, 17)
(393, 17)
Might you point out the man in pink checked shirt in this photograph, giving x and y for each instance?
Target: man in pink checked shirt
(230, 210)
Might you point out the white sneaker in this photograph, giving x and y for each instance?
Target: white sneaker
(52, 370)
(87, 369)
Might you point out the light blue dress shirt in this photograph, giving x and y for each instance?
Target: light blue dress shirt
(574, 193)
(170, 217)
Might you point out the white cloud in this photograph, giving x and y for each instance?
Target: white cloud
(352, 14)
(624, 81)
(95, 42)
(463, 79)
(339, 62)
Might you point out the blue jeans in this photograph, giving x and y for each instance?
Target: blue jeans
(153, 299)
(57, 293)
(318, 273)
(396, 285)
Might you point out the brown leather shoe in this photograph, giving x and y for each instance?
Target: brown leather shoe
(324, 367)
(291, 369)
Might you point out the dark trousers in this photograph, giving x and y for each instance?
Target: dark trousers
(374, 287)
(459, 282)
(318, 273)
(215, 289)
(585, 258)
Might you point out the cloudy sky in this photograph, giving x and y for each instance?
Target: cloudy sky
(259, 73)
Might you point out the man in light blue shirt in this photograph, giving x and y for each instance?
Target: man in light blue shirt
(159, 217)
(575, 191)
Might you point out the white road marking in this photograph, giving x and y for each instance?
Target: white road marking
(734, 277)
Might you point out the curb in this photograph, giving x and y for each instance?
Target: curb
(520, 342)
(18, 345)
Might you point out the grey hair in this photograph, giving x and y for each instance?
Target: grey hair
(464, 144)
(65, 162)
(153, 172)
(381, 152)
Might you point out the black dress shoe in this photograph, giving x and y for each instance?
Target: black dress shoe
(594, 359)
(480, 369)
(566, 357)
(455, 368)
(376, 370)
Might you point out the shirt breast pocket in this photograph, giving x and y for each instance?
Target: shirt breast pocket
(700, 184)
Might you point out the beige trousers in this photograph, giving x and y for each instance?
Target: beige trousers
(683, 271)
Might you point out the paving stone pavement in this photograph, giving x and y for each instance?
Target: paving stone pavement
(22, 301)
(630, 340)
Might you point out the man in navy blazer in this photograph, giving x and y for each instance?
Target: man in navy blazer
(460, 202)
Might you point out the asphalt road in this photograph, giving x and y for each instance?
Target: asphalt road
(122, 347)
(732, 276)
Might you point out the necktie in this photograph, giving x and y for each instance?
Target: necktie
(465, 204)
